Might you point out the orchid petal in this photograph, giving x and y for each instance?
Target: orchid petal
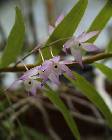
(69, 44)
(59, 19)
(32, 85)
(46, 64)
(67, 71)
(50, 29)
(77, 54)
(46, 73)
(81, 36)
(30, 73)
(89, 47)
(33, 91)
(54, 78)
(56, 59)
(84, 37)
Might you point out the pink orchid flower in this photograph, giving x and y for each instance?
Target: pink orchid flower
(55, 68)
(78, 44)
(30, 80)
(32, 85)
(49, 70)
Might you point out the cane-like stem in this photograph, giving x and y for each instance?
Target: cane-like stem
(87, 60)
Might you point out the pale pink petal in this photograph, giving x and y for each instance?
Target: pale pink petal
(67, 71)
(46, 73)
(30, 73)
(33, 91)
(89, 47)
(54, 78)
(69, 44)
(32, 85)
(37, 85)
(50, 29)
(81, 36)
(77, 54)
(56, 59)
(59, 19)
(87, 36)
(46, 64)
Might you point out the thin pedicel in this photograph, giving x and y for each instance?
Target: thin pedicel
(41, 54)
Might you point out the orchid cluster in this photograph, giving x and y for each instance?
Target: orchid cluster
(52, 69)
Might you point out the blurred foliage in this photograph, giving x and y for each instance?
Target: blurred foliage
(64, 30)
(90, 92)
(105, 70)
(109, 46)
(55, 99)
(15, 41)
(101, 19)
(31, 134)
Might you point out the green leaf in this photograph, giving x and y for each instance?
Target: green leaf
(90, 92)
(104, 69)
(15, 41)
(66, 28)
(53, 96)
(109, 47)
(101, 19)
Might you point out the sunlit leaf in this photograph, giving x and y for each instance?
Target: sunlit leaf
(15, 41)
(105, 70)
(55, 99)
(90, 92)
(101, 19)
(66, 28)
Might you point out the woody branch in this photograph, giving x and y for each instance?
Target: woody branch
(87, 60)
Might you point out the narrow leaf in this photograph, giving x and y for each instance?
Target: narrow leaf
(105, 70)
(66, 28)
(15, 41)
(109, 47)
(53, 96)
(90, 92)
(101, 19)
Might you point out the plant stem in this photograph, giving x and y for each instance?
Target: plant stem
(87, 60)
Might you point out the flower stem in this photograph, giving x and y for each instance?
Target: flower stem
(41, 54)
(25, 65)
(51, 52)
